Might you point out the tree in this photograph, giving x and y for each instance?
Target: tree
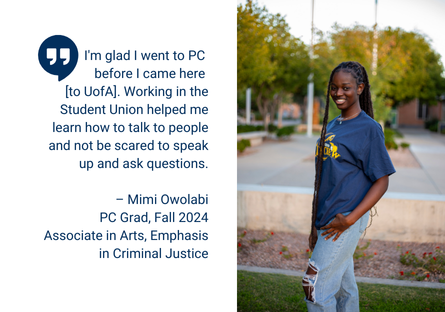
(253, 56)
(291, 60)
(270, 59)
(408, 67)
(421, 72)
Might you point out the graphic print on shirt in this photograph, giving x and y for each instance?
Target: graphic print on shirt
(330, 149)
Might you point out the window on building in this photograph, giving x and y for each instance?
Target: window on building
(422, 111)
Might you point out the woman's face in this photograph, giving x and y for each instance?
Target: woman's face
(344, 90)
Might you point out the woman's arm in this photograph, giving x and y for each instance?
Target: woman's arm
(342, 223)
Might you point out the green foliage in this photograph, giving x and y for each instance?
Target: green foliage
(242, 234)
(433, 127)
(381, 105)
(390, 143)
(285, 252)
(239, 244)
(272, 128)
(404, 145)
(253, 61)
(408, 67)
(241, 99)
(248, 128)
(432, 124)
(433, 262)
(285, 131)
(241, 145)
(269, 60)
(360, 252)
(257, 241)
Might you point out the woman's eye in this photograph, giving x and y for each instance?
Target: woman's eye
(346, 89)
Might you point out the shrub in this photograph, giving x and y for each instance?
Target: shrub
(391, 145)
(393, 132)
(285, 131)
(389, 139)
(272, 128)
(433, 262)
(248, 128)
(404, 145)
(241, 145)
(431, 124)
(433, 127)
(360, 252)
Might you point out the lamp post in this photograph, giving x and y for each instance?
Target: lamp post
(248, 101)
(310, 86)
(375, 45)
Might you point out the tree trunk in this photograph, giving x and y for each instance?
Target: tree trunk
(266, 116)
(261, 107)
(273, 107)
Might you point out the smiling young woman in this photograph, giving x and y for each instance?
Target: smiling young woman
(345, 92)
(352, 169)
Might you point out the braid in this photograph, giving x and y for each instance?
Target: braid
(365, 97)
(359, 73)
(319, 161)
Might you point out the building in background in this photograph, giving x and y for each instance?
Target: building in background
(415, 113)
(290, 111)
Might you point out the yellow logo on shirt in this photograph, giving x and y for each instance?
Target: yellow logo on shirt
(330, 149)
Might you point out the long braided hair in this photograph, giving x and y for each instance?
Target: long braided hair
(359, 73)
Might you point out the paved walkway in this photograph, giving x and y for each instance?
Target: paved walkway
(291, 163)
(359, 279)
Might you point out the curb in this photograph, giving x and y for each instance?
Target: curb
(359, 279)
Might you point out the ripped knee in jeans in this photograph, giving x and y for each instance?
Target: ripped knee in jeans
(309, 281)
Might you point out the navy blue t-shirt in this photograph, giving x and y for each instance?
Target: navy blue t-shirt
(355, 157)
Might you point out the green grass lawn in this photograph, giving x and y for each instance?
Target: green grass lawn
(276, 292)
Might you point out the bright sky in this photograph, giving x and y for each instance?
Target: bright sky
(426, 16)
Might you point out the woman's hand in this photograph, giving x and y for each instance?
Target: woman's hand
(342, 223)
(337, 226)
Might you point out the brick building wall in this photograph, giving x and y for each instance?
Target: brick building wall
(408, 114)
(413, 114)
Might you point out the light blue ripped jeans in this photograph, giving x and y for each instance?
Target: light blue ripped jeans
(333, 286)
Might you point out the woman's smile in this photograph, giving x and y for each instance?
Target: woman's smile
(339, 101)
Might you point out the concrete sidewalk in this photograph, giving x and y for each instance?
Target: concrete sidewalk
(291, 163)
(359, 279)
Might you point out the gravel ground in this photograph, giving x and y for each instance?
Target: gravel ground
(383, 257)
(403, 158)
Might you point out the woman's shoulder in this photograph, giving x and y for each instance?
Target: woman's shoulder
(372, 127)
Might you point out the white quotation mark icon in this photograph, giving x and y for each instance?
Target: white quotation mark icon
(51, 54)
